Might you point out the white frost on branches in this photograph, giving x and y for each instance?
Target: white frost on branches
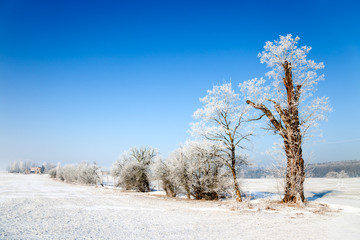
(84, 173)
(220, 117)
(133, 169)
(257, 89)
(304, 75)
(196, 170)
(286, 49)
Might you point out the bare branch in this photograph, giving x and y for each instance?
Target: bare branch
(269, 114)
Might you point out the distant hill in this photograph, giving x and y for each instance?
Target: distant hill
(352, 168)
(255, 172)
(316, 170)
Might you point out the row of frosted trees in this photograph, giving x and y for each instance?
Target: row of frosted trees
(195, 170)
(208, 167)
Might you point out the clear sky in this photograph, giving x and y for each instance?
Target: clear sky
(86, 80)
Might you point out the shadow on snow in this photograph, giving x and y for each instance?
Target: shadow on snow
(317, 195)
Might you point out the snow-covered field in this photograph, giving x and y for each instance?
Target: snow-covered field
(37, 207)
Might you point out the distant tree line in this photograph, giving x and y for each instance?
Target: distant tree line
(351, 168)
(25, 167)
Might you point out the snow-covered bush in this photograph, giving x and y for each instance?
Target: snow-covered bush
(133, 169)
(83, 173)
(207, 175)
(341, 174)
(69, 173)
(165, 171)
(52, 173)
(331, 175)
(197, 170)
(88, 173)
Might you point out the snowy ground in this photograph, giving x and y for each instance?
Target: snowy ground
(37, 207)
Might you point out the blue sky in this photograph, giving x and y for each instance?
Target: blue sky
(86, 80)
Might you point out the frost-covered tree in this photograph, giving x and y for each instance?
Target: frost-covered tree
(221, 120)
(132, 170)
(288, 103)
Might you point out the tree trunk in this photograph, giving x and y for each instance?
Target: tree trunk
(188, 192)
(236, 186)
(295, 175)
(169, 188)
(289, 129)
(233, 171)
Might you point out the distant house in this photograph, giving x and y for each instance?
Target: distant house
(35, 170)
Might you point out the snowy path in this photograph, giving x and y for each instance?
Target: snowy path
(37, 207)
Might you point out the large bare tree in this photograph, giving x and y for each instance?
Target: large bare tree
(288, 103)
